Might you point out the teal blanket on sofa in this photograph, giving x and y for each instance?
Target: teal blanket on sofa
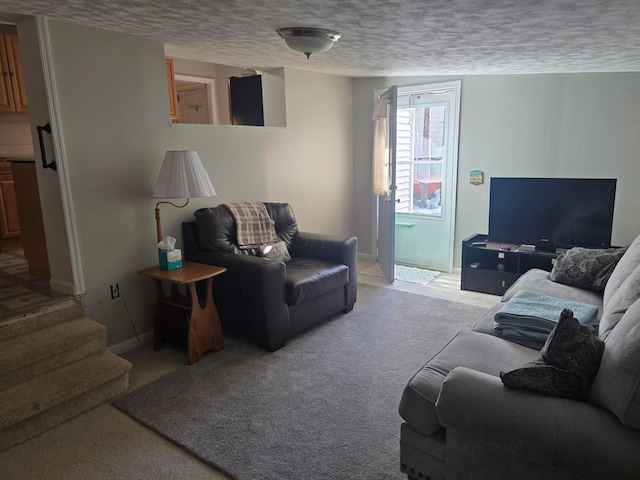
(532, 316)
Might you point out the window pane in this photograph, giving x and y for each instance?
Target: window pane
(427, 190)
(420, 159)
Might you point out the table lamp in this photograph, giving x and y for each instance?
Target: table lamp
(182, 175)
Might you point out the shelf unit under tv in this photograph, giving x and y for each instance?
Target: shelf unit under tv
(495, 267)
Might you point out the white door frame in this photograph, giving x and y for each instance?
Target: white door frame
(57, 139)
(211, 92)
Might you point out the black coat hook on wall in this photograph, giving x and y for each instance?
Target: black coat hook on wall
(46, 128)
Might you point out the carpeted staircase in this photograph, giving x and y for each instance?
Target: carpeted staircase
(54, 365)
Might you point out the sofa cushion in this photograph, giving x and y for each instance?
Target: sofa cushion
(586, 267)
(568, 363)
(216, 227)
(619, 303)
(627, 264)
(309, 278)
(617, 385)
(475, 350)
(539, 281)
(285, 221)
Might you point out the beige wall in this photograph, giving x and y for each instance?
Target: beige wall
(114, 115)
(311, 160)
(114, 111)
(580, 125)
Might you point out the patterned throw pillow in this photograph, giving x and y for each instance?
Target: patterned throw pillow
(586, 267)
(278, 251)
(568, 364)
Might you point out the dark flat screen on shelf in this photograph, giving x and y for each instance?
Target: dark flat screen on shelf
(245, 101)
(566, 212)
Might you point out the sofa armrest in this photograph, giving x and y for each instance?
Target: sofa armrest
(556, 432)
(343, 250)
(251, 292)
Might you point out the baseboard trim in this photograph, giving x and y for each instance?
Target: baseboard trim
(366, 257)
(131, 343)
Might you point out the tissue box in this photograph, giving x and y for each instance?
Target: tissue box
(170, 259)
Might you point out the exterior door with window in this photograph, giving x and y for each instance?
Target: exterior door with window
(426, 163)
(384, 178)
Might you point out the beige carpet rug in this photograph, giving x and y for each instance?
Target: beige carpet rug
(323, 407)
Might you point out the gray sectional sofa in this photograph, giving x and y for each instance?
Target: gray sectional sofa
(461, 422)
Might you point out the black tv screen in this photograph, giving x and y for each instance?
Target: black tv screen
(564, 212)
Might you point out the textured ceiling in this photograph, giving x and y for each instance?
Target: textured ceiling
(379, 38)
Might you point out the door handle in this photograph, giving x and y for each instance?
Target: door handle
(46, 128)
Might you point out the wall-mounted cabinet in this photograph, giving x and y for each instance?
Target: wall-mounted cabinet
(245, 100)
(13, 96)
(258, 100)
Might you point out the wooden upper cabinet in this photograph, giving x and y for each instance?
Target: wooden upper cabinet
(173, 94)
(13, 96)
(6, 94)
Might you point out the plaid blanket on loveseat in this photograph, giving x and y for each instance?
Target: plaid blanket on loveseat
(253, 224)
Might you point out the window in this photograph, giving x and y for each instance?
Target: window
(420, 155)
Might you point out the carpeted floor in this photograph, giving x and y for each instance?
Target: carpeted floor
(323, 407)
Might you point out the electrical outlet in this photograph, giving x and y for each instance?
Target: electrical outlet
(115, 291)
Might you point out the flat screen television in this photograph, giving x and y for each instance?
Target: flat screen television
(561, 212)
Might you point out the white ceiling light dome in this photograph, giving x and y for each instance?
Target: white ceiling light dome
(309, 40)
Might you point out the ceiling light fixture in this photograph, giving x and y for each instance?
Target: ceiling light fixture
(308, 40)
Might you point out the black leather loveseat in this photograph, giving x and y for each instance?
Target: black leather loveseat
(266, 300)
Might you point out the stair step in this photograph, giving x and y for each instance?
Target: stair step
(37, 345)
(32, 398)
(58, 311)
(25, 357)
(63, 412)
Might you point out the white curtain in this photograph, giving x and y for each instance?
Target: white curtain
(380, 147)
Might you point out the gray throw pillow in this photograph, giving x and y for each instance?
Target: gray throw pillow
(276, 251)
(586, 267)
(568, 364)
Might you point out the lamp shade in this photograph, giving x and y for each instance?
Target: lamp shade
(183, 176)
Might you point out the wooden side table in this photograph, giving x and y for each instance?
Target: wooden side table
(204, 331)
